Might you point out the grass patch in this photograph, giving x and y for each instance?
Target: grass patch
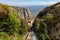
(5, 36)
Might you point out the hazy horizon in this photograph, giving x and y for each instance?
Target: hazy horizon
(28, 2)
(33, 5)
(35, 9)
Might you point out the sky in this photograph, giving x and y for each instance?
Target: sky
(28, 2)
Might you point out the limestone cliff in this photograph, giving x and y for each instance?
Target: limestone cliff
(23, 12)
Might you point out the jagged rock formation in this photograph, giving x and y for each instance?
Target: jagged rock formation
(51, 16)
(23, 12)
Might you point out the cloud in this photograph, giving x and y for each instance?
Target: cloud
(29, 2)
(37, 3)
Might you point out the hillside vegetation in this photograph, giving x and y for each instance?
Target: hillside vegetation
(47, 24)
(12, 27)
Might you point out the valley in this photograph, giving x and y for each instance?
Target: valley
(30, 23)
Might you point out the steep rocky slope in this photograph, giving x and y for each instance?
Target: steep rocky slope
(23, 12)
(50, 17)
(48, 9)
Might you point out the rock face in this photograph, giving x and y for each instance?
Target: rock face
(23, 12)
(51, 16)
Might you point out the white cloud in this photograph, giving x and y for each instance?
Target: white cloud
(37, 3)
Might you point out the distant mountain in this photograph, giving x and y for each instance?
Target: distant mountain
(35, 9)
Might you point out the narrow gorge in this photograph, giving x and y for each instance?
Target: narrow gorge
(17, 23)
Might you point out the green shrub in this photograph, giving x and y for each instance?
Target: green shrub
(11, 23)
(24, 27)
(4, 36)
(40, 28)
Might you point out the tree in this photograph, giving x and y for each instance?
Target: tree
(24, 27)
(10, 21)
